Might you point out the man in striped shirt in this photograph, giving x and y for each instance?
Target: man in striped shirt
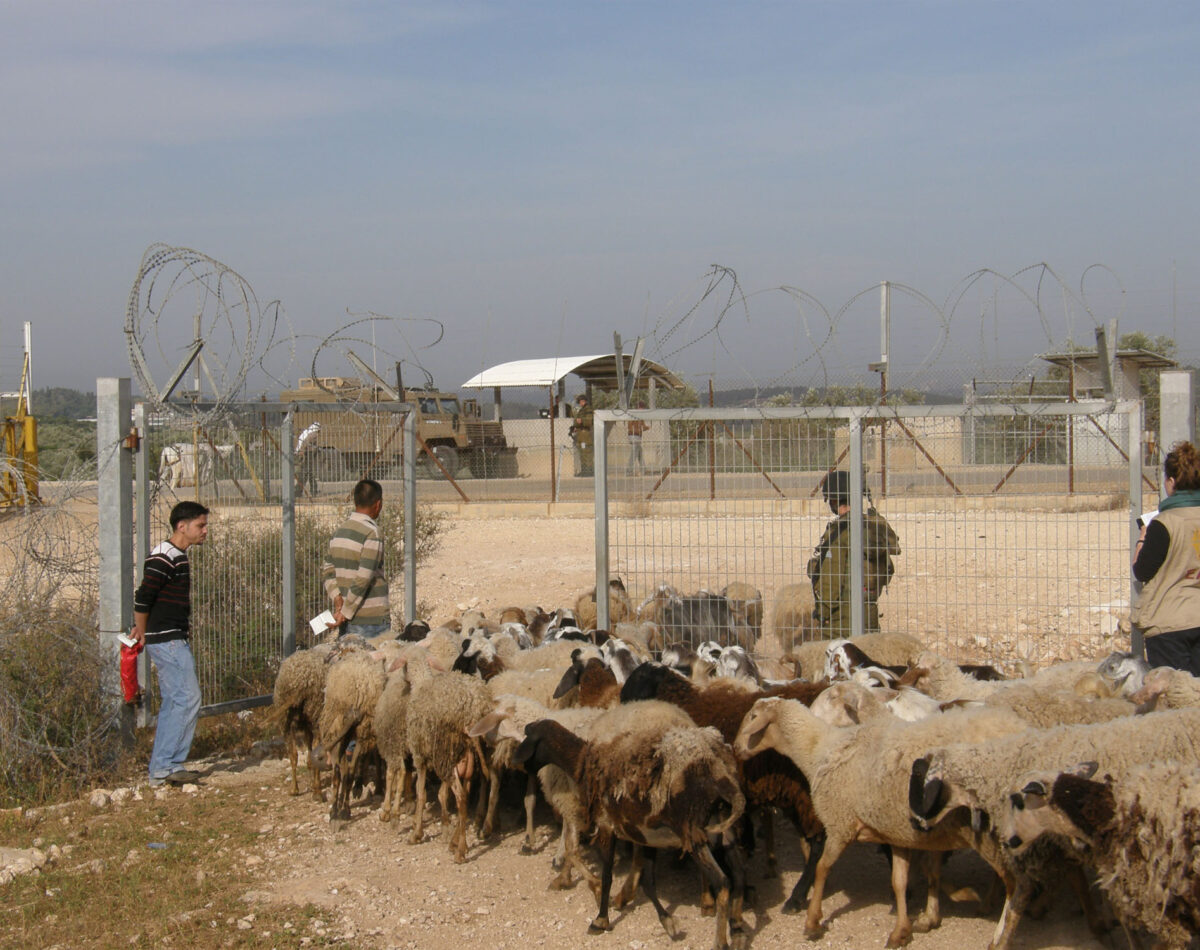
(162, 610)
(353, 573)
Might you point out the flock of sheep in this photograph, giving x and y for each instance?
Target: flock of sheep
(669, 734)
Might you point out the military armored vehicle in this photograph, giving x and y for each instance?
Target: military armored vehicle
(371, 442)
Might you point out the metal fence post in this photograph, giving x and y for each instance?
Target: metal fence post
(287, 558)
(856, 526)
(141, 537)
(1133, 416)
(600, 478)
(114, 493)
(409, 436)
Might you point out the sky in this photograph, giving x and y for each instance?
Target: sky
(509, 180)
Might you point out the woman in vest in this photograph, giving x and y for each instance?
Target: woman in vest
(1167, 561)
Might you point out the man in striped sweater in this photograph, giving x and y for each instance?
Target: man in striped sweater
(353, 572)
(162, 610)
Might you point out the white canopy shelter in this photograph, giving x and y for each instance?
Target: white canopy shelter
(598, 371)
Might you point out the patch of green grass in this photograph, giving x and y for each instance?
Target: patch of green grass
(111, 888)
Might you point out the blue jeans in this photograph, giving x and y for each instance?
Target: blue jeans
(365, 630)
(180, 692)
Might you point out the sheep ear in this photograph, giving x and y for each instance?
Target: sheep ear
(485, 725)
(926, 796)
(1083, 769)
(570, 679)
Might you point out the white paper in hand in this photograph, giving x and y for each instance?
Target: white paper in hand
(321, 622)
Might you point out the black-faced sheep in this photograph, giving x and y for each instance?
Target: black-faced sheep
(886, 649)
(1141, 832)
(675, 789)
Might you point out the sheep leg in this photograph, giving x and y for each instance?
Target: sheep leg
(931, 917)
(629, 888)
(768, 824)
(901, 934)
(462, 792)
(734, 862)
(608, 853)
(340, 810)
(493, 802)
(418, 831)
(1017, 891)
(816, 847)
(1095, 920)
(651, 889)
(530, 802)
(389, 791)
(314, 772)
(444, 803)
(410, 783)
(812, 922)
(293, 756)
(718, 880)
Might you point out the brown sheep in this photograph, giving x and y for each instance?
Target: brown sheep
(672, 789)
(619, 606)
(770, 782)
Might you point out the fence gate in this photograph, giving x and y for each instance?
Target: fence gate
(256, 580)
(1015, 522)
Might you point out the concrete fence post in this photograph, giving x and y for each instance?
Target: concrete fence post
(114, 492)
(1177, 407)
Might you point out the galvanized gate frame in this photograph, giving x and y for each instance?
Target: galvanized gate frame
(857, 418)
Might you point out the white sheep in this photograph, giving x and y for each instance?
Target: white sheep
(298, 698)
(978, 777)
(1167, 688)
(859, 779)
(353, 685)
(1141, 832)
(792, 621)
(504, 729)
(440, 710)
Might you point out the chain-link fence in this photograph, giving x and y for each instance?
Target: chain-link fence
(277, 490)
(1011, 523)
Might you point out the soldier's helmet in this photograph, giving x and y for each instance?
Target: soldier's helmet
(836, 488)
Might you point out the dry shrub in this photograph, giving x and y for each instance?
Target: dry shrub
(58, 732)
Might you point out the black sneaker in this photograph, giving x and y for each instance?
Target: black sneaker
(183, 777)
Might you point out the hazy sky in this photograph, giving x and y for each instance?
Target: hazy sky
(538, 175)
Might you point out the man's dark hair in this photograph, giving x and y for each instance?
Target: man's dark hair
(366, 493)
(186, 511)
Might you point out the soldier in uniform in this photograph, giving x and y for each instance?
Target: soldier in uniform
(829, 567)
(581, 432)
